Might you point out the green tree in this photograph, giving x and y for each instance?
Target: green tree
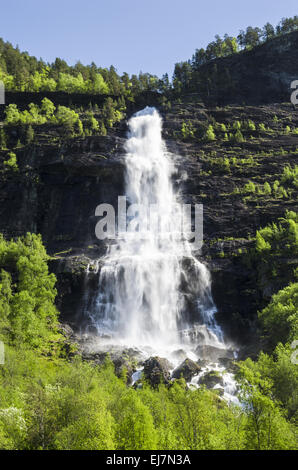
(135, 430)
(279, 319)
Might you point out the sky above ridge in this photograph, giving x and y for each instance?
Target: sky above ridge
(132, 35)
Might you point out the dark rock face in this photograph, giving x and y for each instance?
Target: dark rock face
(156, 370)
(58, 189)
(210, 379)
(187, 370)
(213, 354)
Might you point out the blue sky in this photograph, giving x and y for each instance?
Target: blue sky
(132, 35)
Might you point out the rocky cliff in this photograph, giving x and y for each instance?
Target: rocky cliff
(58, 187)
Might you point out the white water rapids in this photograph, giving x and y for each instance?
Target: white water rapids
(140, 300)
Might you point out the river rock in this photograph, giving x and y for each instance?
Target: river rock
(210, 379)
(187, 370)
(156, 370)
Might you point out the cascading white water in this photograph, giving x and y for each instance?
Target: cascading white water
(139, 298)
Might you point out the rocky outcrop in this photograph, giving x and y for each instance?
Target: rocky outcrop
(186, 370)
(157, 370)
(125, 361)
(210, 379)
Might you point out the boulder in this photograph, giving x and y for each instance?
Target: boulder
(157, 370)
(123, 365)
(210, 379)
(187, 370)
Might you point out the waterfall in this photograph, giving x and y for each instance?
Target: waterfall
(141, 299)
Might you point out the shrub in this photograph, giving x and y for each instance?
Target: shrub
(12, 162)
(209, 135)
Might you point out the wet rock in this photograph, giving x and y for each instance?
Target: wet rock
(97, 358)
(212, 353)
(121, 363)
(134, 355)
(122, 366)
(228, 364)
(202, 362)
(156, 370)
(187, 370)
(67, 331)
(210, 379)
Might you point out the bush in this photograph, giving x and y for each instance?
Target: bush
(209, 135)
(11, 163)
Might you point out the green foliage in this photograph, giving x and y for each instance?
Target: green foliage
(92, 124)
(287, 130)
(238, 137)
(11, 163)
(266, 427)
(135, 429)
(187, 130)
(237, 125)
(49, 402)
(111, 112)
(35, 114)
(28, 314)
(280, 318)
(275, 246)
(280, 373)
(290, 176)
(250, 187)
(70, 121)
(47, 108)
(261, 244)
(267, 188)
(282, 237)
(262, 127)
(209, 135)
(250, 125)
